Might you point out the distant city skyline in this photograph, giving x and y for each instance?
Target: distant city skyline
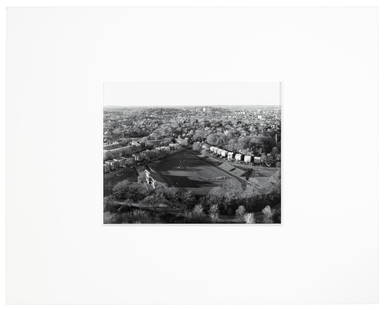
(182, 94)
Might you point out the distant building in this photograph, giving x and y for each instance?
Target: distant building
(230, 156)
(137, 157)
(174, 146)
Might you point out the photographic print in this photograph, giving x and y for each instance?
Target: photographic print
(192, 153)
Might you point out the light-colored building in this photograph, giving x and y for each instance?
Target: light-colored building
(230, 156)
(238, 157)
(153, 178)
(247, 158)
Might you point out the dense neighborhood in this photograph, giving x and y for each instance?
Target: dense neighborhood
(192, 164)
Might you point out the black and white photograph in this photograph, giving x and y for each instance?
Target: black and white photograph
(192, 153)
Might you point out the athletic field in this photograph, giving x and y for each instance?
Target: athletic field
(184, 169)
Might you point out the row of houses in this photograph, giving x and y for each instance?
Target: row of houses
(233, 156)
(122, 162)
(114, 164)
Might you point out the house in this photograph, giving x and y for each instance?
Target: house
(230, 156)
(257, 160)
(239, 157)
(247, 158)
(224, 153)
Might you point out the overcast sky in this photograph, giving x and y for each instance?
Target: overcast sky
(191, 94)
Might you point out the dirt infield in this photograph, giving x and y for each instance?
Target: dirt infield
(184, 169)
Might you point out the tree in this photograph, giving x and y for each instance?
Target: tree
(198, 210)
(212, 139)
(275, 151)
(214, 212)
(108, 155)
(116, 131)
(249, 218)
(268, 215)
(263, 159)
(240, 211)
(120, 189)
(187, 198)
(216, 195)
(199, 135)
(136, 192)
(196, 146)
(126, 190)
(130, 161)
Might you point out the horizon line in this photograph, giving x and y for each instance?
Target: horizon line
(200, 106)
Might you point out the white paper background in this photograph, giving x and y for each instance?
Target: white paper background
(58, 251)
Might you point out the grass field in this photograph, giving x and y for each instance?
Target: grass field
(184, 169)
